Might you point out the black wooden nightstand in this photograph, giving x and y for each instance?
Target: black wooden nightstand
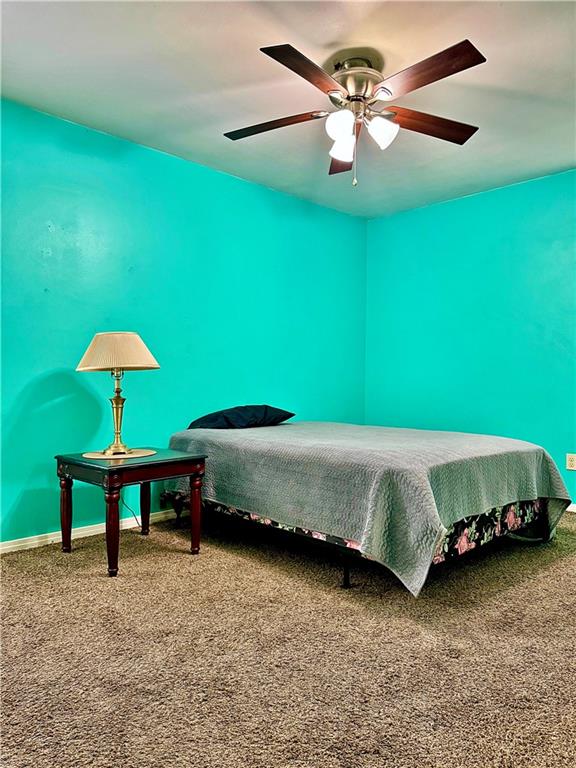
(113, 475)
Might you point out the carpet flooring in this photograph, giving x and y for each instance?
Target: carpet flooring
(251, 656)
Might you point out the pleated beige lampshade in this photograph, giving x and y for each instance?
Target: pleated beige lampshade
(122, 350)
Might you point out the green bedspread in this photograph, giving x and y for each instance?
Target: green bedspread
(396, 491)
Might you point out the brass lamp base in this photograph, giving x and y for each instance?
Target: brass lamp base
(131, 453)
(117, 449)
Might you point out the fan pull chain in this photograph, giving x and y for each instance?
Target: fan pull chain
(354, 179)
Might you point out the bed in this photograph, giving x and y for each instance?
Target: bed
(405, 498)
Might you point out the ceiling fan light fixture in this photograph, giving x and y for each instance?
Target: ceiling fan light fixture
(360, 95)
(340, 124)
(343, 149)
(383, 130)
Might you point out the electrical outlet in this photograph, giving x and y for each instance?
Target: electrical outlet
(571, 461)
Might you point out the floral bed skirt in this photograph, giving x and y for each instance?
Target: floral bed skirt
(467, 534)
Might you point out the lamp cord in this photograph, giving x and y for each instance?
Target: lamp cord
(138, 523)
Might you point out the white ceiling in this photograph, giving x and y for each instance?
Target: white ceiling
(176, 75)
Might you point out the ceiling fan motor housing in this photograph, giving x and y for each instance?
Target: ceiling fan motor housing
(359, 81)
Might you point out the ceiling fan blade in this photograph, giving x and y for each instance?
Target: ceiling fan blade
(339, 166)
(298, 63)
(455, 59)
(439, 127)
(252, 130)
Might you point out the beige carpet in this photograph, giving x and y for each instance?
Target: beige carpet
(250, 656)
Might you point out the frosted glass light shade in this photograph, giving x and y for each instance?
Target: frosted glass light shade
(383, 131)
(117, 350)
(343, 149)
(340, 124)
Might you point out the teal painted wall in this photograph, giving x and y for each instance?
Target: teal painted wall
(471, 316)
(243, 294)
(457, 316)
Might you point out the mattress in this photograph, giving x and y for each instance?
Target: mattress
(394, 492)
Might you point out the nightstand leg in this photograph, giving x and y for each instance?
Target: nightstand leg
(195, 513)
(66, 513)
(145, 508)
(112, 496)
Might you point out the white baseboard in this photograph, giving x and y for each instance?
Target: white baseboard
(14, 545)
(571, 508)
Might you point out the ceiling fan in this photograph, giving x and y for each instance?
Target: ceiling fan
(361, 94)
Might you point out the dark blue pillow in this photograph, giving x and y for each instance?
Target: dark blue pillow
(242, 417)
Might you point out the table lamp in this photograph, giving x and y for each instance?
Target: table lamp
(117, 352)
